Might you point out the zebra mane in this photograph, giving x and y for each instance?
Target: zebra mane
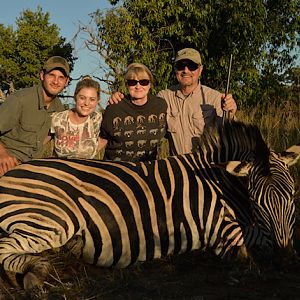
(234, 140)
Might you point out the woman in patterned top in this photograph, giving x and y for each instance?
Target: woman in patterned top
(133, 128)
(76, 131)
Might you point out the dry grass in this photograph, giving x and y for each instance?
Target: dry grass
(280, 126)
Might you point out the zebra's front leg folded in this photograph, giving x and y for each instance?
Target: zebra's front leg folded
(20, 255)
(36, 271)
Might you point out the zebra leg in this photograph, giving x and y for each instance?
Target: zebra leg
(36, 272)
(20, 254)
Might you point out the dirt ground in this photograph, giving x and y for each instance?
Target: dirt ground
(192, 276)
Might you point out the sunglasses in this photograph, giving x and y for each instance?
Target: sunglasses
(133, 82)
(180, 65)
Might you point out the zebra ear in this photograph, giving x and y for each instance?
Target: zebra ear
(291, 155)
(236, 167)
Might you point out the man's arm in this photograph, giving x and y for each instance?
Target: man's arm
(7, 161)
(9, 116)
(115, 98)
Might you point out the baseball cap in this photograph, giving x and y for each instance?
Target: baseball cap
(189, 53)
(57, 62)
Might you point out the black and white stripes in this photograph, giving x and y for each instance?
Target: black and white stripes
(128, 212)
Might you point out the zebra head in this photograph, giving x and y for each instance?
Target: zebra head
(271, 192)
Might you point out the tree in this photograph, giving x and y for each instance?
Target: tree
(23, 52)
(259, 33)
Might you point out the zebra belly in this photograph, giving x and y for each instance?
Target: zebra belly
(120, 247)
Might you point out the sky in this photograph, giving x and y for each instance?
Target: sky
(66, 14)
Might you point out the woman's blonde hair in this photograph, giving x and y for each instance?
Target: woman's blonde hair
(135, 69)
(87, 82)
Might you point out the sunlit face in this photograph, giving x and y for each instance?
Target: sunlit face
(86, 101)
(54, 81)
(187, 77)
(139, 91)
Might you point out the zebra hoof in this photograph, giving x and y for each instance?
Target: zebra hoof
(31, 281)
(36, 275)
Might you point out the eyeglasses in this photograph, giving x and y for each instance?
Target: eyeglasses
(133, 82)
(180, 65)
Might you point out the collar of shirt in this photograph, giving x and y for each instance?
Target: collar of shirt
(180, 95)
(52, 107)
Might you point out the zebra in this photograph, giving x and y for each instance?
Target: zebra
(232, 195)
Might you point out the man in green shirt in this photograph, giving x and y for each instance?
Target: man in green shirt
(25, 116)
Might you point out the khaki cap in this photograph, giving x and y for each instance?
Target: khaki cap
(189, 53)
(57, 62)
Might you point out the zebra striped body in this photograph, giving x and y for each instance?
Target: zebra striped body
(128, 212)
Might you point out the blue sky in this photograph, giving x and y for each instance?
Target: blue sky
(66, 14)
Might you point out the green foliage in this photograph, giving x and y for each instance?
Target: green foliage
(259, 34)
(23, 52)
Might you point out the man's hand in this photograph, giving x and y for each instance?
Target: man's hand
(115, 98)
(7, 161)
(229, 104)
